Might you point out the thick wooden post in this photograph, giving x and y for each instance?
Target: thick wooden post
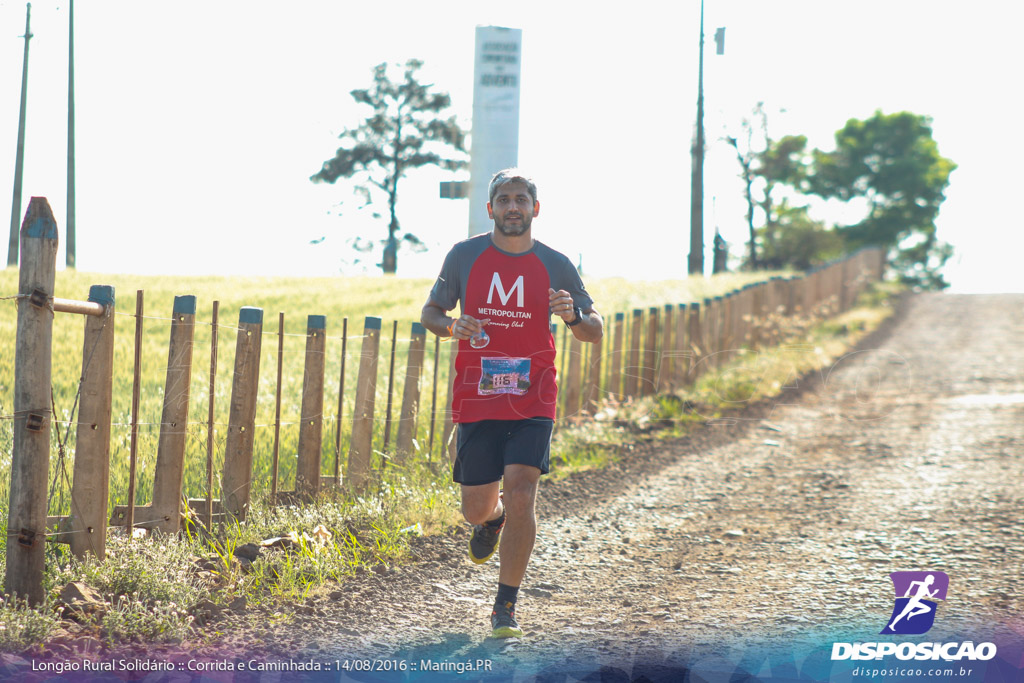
(634, 371)
(311, 422)
(361, 446)
(615, 372)
(30, 456)
(170, 454)
(574, 378)
(411, 392)
(90, 488)
(237, 477)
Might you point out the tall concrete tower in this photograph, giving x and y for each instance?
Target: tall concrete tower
(495, 142)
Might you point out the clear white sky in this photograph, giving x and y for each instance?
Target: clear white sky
(199, 123)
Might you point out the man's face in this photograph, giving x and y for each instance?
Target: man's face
(512, 209)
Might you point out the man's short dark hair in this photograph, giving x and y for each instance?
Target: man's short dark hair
(510, 175)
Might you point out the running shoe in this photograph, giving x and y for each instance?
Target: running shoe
(503, 622)
(484, 540)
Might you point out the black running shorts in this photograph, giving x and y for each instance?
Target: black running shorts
(485, 447)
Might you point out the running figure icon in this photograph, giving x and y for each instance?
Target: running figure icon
(917, 596)
(915, 607)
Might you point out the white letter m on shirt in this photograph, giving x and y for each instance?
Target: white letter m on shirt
(517, 287)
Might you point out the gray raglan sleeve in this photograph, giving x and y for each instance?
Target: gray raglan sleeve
(446, 289)
(565, 276)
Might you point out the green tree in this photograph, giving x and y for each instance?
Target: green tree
(892, 163)
(765, 167)
(403, 131)
(799, 241)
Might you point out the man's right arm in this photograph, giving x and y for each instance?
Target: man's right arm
(436, 319)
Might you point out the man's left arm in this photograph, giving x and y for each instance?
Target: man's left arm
(586, 324)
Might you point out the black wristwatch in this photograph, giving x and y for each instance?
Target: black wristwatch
(576, 320)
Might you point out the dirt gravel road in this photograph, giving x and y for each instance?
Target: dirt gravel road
(776, 529)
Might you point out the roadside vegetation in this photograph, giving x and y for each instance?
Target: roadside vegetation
(152, 589)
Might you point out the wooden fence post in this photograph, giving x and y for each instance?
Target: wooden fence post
(276, 456)
(778, 307)
(615, 371)
(170, 454)
(757, 316)
(650, 354)
(844, 283)
(133, 449)
(311, 421)
(411, 393)
(30, 456)
(433, 401)
(592, 393)
(712, 327)
(793, 289)
(634, 371)
(810, 293)
(237, 477)
(666, 358)
(742, 318)
(680, 366)
(573, 378)
(449, 444)
(695, 338)
(210, 414)
(730, 303)
(90, 487)
(361, 446)
(341, 403)
(386, 442)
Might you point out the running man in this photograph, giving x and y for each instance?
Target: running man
(505, 394)
(914, 606)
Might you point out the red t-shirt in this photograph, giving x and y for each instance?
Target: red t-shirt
(513, 377)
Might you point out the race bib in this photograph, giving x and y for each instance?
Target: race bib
(504, 376)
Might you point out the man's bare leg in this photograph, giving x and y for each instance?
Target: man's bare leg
(481, 503)
(520, 533)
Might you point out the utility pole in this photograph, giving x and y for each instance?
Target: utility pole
(19, 160)
(69, 230)
(696, 260)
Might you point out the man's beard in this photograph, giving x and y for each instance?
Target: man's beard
(513, 230)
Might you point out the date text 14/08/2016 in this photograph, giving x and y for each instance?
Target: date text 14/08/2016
(461, 667)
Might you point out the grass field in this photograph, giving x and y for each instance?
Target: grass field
(351, 298)
(152, 584)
